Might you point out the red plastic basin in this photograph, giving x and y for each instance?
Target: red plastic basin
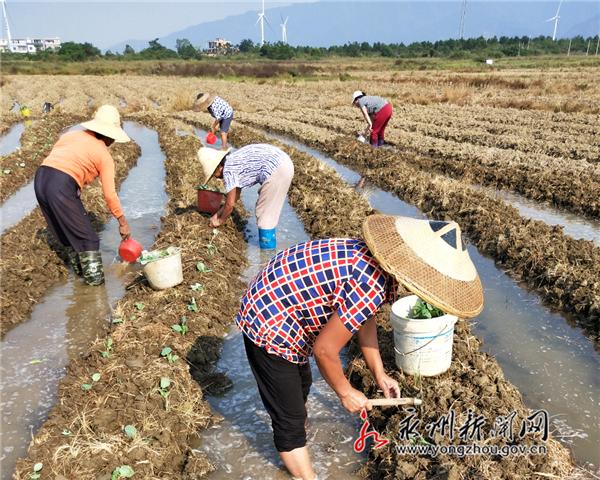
(209, 201)
(211, 138)
(130, 250)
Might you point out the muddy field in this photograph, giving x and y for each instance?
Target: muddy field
(31, 260)
(534, 133)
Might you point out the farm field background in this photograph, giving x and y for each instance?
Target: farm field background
(513, 155)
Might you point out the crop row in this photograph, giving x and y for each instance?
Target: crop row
(561, 269)
(572, 186)
(329, 207)
(30, 265)
(144, 410)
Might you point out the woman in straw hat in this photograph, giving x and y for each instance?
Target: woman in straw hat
(77, 159)
(313, 297)
(261, 164)
(220, 110)
(377, 112)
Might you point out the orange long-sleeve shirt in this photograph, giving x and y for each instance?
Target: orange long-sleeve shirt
(84, 157)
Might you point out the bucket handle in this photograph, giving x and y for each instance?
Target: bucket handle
(422, 346)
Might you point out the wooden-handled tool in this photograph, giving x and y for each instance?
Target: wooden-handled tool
(393, 402)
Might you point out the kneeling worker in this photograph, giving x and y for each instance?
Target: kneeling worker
(313, 297)
(77, 159)
(254, 164)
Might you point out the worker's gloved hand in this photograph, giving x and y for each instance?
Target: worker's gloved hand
(388, 385)
(354, 401)
(124, 228)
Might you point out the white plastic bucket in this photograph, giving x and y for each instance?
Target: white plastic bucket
(422, 346)
(164, 272)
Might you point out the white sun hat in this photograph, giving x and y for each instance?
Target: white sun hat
(429, 258)
(210, 159)
(107, 122)
(356, 94)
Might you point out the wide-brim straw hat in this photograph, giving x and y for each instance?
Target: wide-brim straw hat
(357, 94)
(210, 159)
(107, 122)
(429, 259)
(204, 101)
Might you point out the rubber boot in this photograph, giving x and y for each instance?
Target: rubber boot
(73, 259)
(91, 265)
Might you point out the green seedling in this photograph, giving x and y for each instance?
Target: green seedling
(193, 306)
(35, 362)
(211, 248)
(130, 431)
(180, 327)
(88, 386)
(202, 268)
(6, 171)
(163, 389)
(35, 471)
(108, 344)
(167, 352)
(124, 471)
(116, 320)
(133, 317)
(139, 306)
(66, 432)
(22, 165)
(423, 310)
(197, 287)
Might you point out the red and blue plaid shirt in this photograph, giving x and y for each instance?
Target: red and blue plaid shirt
(294, 296)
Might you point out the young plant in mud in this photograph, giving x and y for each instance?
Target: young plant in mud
(124, 471)
(163, 388)
(202, 268)
(193, 306)
(180, 327)
(211, 248)
(35, 471)
(108, 344)
(130, 431)
(197, 287)
(139, 306)
(88, 386)
(167, 352)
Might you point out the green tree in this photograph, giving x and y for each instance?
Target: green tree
(246, 46)
(156, 51)
(78, 52)
(185, 49)
(128, 50)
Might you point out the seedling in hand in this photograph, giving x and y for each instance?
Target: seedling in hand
(108, 343)
(167, 353)
(124, 471)
(180, 327)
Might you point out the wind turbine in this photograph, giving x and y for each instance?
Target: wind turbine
(261, 20)
(284, 29)
(6, 25)
(555, 18)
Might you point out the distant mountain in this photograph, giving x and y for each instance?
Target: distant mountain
(336, 23)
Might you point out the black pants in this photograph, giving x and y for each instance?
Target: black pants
(58, 196)
(283, 388)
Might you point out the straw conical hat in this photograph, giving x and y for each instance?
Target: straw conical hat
(107, 122)
(204, 101)
(210, 159)
(429, 259)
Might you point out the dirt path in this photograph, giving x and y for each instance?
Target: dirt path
(84, 436)
(329, 207)
(30, 265)
(36, 142)
(561, 269)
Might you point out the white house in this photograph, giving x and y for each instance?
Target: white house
(29, 45)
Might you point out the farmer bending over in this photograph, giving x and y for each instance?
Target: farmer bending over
(77, 159)
(261, 164)
(377, 112)
(314, 296)
(220, 110)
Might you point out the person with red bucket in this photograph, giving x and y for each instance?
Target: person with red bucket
(377, 112)
(261, 164)
(220, 110)
(77, 159)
